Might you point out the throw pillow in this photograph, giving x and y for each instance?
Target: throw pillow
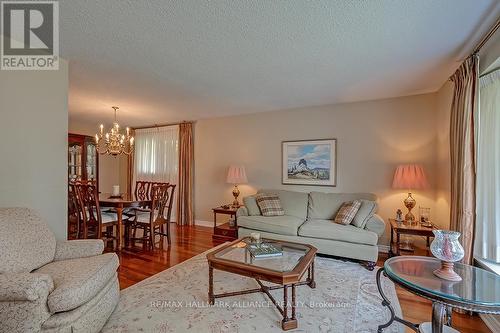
(365, 212)
(251, 205)
(347, 211)
(269, 204)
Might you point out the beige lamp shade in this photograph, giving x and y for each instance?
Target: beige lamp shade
(409, 177)
(236, 175)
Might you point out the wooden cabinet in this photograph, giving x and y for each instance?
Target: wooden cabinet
(83, 165)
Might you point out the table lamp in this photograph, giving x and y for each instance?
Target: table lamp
(409, 177)
(236, 175)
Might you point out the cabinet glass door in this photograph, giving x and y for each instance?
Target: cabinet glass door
(75, 161)
(91, 164)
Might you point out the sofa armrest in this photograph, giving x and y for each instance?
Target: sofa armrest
(78, 249)
(242, 211)
(376, 224)
(25, 286)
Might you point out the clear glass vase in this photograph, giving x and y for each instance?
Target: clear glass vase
(446, 246)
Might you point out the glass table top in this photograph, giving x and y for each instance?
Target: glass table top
(292, 255)
(478, 286)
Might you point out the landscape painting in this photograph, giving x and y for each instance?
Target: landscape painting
(311, 162)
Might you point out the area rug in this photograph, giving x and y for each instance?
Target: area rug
(346, 299)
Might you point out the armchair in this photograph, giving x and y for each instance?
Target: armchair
(48, 285)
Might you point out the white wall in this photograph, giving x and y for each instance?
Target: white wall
(112, 169)
(373, 138)
(33, 131)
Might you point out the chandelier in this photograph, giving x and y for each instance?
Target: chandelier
(114, 143)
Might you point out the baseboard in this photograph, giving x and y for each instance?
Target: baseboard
(383, 248)
(492, 321)
(203, 223)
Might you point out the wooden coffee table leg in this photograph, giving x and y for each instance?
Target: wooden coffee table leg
(294, 304)
(287, 323)
(310, 275)
(211, 298)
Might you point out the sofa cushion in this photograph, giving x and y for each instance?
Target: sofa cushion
(325, 229)
(269, 204)
(326, 205)
(26, 243)
(347, 211)
(285, 225)
(251, 205)
(293, 203)
(365, 212)
(77, 281)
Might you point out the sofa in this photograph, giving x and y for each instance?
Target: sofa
(52, 286)
(309, 219)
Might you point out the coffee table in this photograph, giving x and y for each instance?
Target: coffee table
(285, 272)
(479, 290)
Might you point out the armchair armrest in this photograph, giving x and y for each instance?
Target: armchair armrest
(242, 211)
(79, 248)
(25, 286)
(376, 224)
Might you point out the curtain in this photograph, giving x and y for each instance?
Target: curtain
(130, 168)
(463, 171)
(186, 174)
(156, 157)
(487, 241)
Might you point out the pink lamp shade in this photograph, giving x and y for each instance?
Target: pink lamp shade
(236, 175)
(409, 176)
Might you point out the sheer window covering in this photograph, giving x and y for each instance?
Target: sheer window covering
(487, 240)
(156, 156)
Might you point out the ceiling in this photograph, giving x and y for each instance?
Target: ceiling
(167, 61)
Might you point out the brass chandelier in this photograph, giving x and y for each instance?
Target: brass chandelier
(114, 143)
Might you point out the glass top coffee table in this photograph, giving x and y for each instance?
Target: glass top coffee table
(479, 290)
(286, 271)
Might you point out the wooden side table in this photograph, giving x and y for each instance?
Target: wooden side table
(415, 229)
(225, 232)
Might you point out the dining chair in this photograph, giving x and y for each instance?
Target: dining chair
(94, 220)
(74, 216)
(154, 220)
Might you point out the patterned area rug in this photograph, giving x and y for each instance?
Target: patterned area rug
(346, 299)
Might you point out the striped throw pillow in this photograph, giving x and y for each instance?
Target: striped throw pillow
(269, 204)
(347, 211)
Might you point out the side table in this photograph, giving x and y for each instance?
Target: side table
(415, 229)
(225, 232)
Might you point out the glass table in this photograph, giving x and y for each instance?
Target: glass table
(286, 271)
(479, 290)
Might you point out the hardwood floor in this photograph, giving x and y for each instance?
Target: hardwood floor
(137, 264)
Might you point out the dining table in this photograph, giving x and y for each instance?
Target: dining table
(119, 203)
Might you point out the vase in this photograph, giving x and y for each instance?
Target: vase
(448, 249)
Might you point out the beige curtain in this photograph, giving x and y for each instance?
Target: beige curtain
(130, 169)
(186, 173)
(463, 168)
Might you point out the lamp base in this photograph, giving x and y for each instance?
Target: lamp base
(410, 204)
(446, 272)
(236, 193)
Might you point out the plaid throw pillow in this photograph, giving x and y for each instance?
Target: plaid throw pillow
(347, 211)
(269, 204)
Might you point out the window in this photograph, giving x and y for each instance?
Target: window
(487, 240)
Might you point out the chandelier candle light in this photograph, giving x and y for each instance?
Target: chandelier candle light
(236, 175)
(114, 143)
(409, 177)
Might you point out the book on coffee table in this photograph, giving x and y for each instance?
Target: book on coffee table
(264, 250)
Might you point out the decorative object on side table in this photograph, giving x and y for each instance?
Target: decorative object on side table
(311, 162)
(447, 248)
(236, 175)
(399, 215)
(409, 177)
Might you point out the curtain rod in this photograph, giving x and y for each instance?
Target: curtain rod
(163, 125)
(487, 37)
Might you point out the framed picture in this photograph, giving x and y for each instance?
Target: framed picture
(311, 162)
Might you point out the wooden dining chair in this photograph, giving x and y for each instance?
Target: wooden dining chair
(154, 220)
(94, 220)
(74, 213)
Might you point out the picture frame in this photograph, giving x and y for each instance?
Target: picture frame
(309, 162)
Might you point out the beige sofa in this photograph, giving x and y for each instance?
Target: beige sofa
(309, 219)
(52, 286)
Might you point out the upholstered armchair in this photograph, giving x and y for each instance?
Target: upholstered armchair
(52, 286)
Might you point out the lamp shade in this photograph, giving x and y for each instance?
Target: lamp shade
(236, 175)
(409, 176)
